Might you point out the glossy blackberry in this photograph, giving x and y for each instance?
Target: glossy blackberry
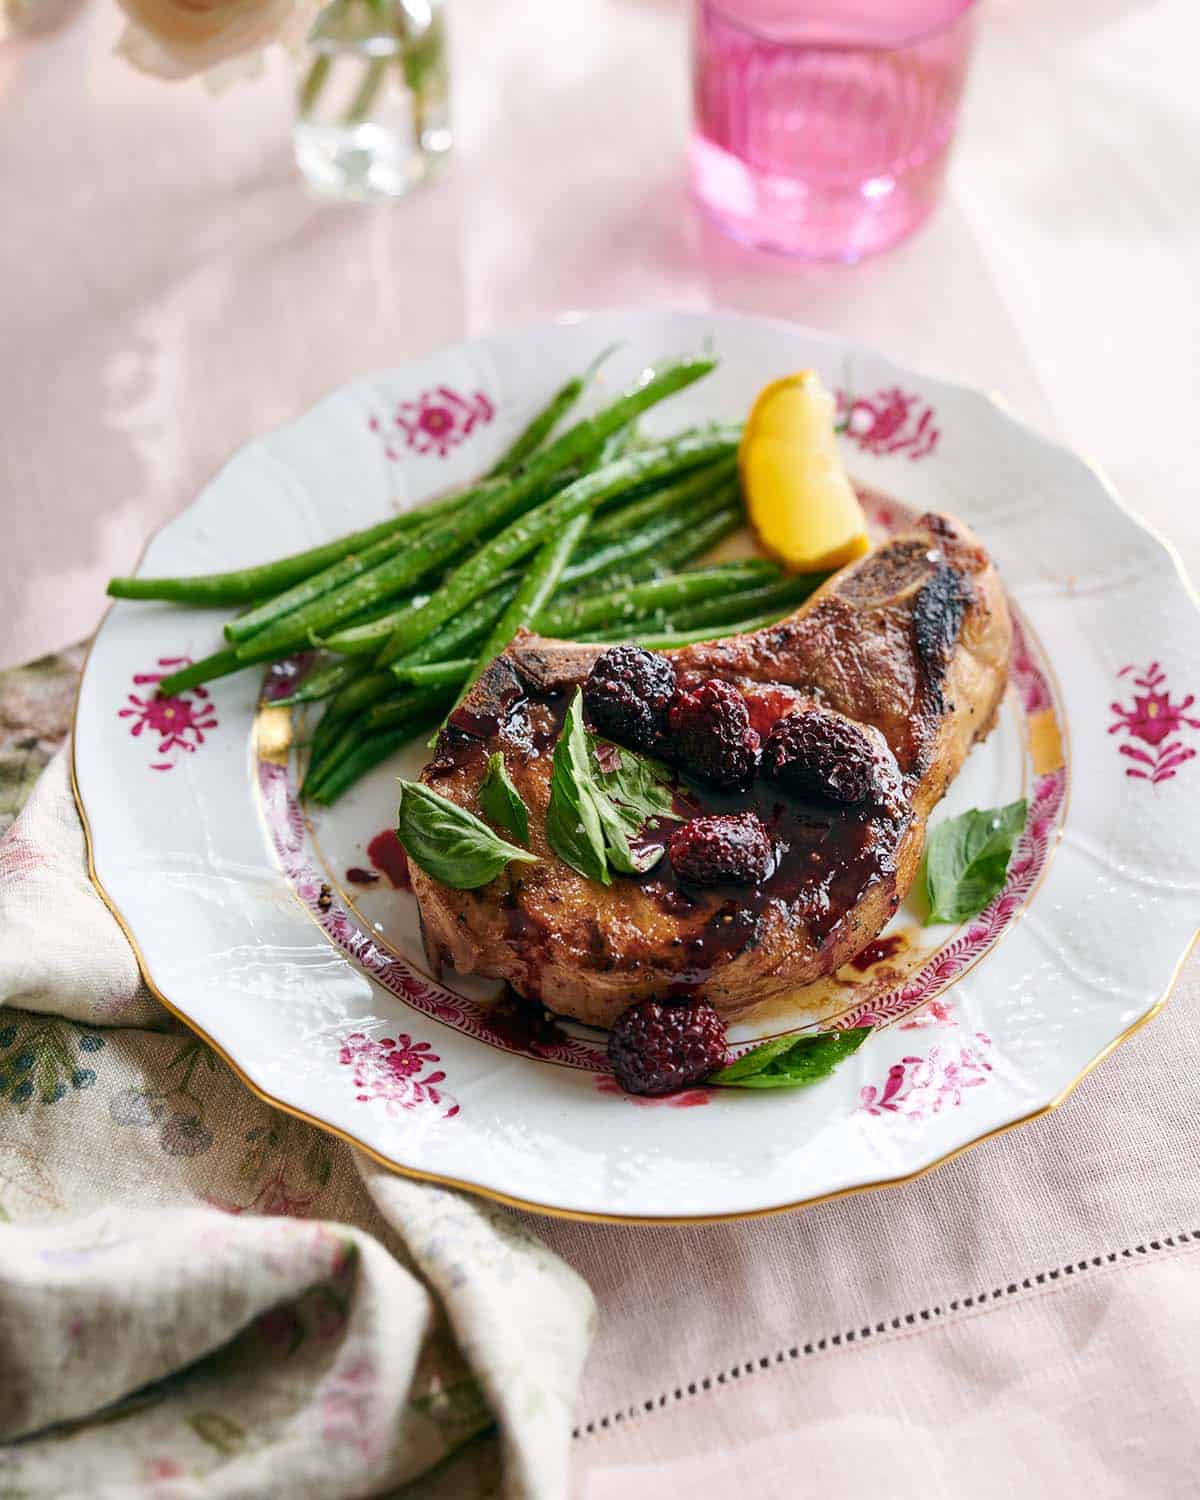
(627, 693)
(726, 848)
(656, 1049)
(823, 755)
(710, 734)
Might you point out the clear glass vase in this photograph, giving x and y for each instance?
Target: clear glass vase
(372, 104)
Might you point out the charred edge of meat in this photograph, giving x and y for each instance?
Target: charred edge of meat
(937, 619)
(550, 668)
(494, 704)
(887, 574)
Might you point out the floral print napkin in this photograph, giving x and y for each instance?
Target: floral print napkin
(200, 1297)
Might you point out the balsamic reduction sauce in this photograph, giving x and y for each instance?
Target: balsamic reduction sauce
(387, 855)
(523, 1024)
(876, 952)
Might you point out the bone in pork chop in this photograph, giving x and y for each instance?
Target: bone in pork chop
(900, 662)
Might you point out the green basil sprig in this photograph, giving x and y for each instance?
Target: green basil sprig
(501, 801)
(450, 843)
(966, 860)
(573, 827)
(788, 1062)
(593, 813)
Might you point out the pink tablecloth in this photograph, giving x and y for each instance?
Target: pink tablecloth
(1026, 1317)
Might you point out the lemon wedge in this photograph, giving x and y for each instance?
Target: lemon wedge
(798, 494)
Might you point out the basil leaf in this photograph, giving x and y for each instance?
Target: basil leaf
(501, 800)
(573, 827)
(788, 1062)
(640, 787)
(633, 791)
(601, 797)
(617, 848)
(450, 843)
(966, 860)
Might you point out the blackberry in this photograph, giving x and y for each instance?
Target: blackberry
(711, 735)
(824, 755)
(627, 693)
(656, 1049)
(733, 847)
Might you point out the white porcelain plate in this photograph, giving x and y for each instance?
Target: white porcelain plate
(280, 936)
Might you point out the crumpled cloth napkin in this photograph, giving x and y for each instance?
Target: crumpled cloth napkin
(200, 1297)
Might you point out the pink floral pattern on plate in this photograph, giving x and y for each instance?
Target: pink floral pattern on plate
(394, 1069)
(435, 422)
(917, 1087)
(890, 421)
(180, 721)
(1153, 719)
(935, 1013)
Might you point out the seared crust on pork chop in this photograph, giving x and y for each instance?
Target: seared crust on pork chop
(912, 640)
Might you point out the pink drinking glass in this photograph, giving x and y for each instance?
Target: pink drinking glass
(822, 127)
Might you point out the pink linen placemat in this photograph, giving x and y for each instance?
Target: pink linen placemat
(1027, 1315)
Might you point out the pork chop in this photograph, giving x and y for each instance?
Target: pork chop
(911, 640)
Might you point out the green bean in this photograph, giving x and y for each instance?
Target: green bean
(328, 752)
(671, 592)
(431, 674)
(343, 708)
(359, 639)
(586, 436)
(291, 601)
(649, 540)
(787, 592)
(220, 664)
(325, 681)
(533, 594)
(359, 751)
(413, 704)
(323, 735)
(463, 631)
(644, 570)
(664, 640)
(535, 434)
(616, 444)
(526, 533)
(681, 543)
(690, 542)
(364, 640)
(383, 607)
(359, 694)
(492, 503)
(426, 551)
(671, 498)
(248, 585)
(365, 757)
